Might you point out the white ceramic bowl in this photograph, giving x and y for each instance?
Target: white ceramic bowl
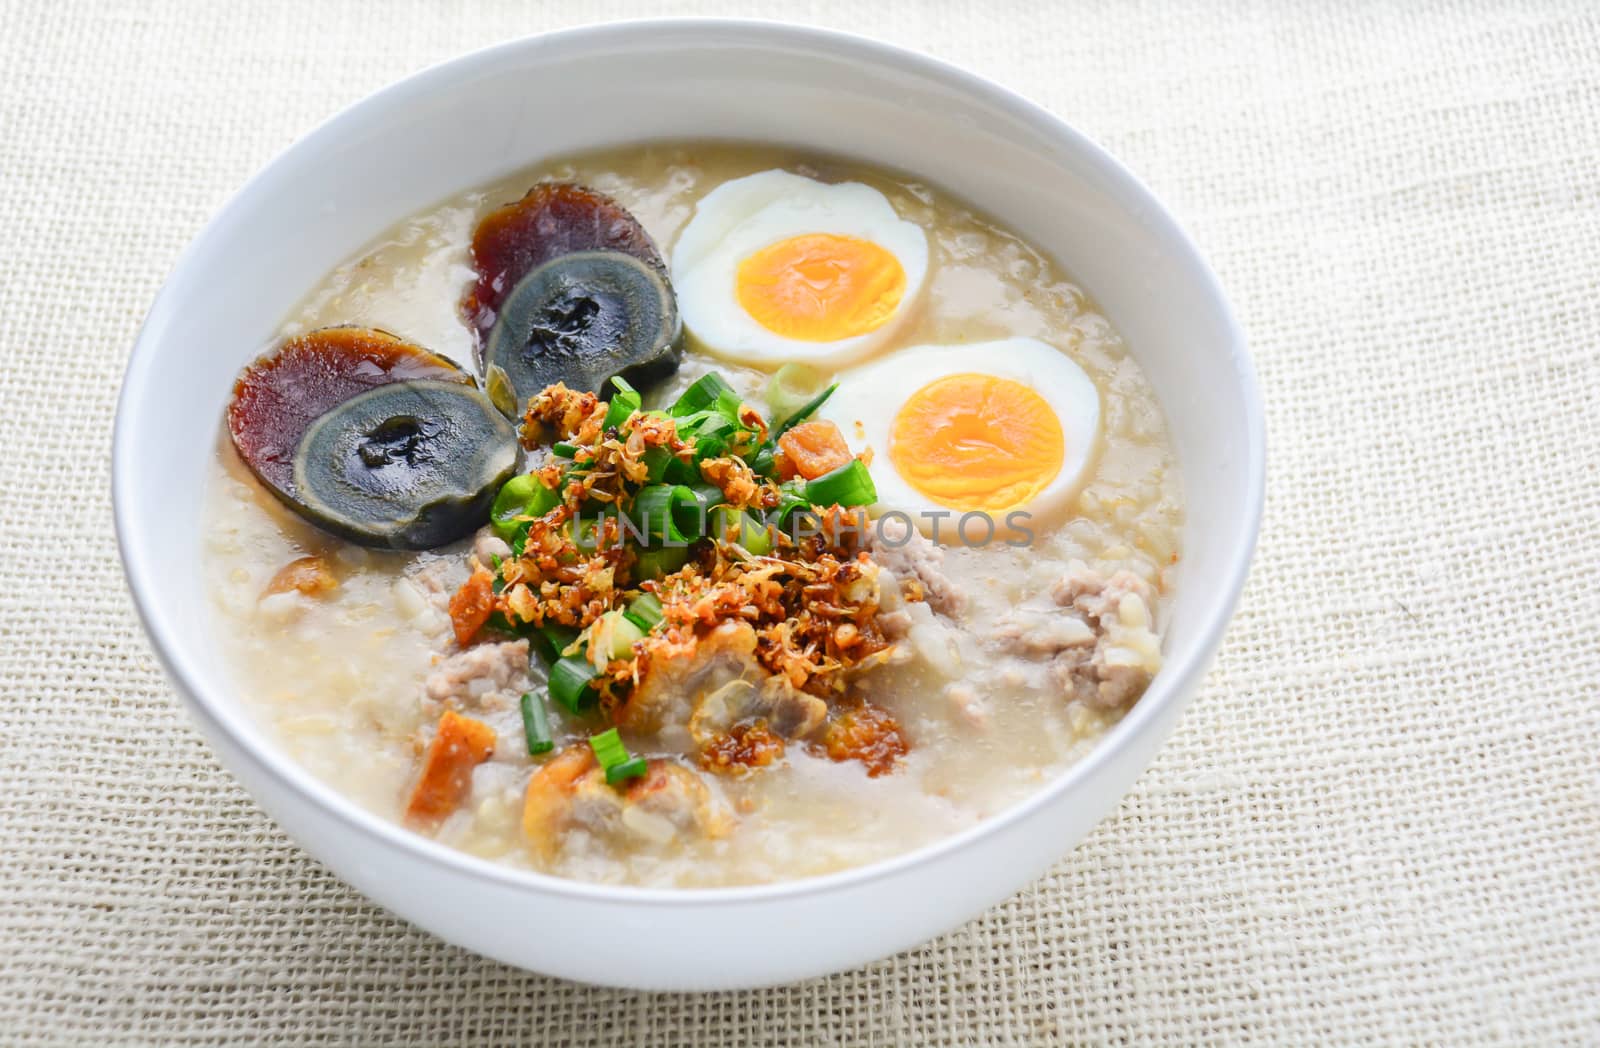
(491, 113)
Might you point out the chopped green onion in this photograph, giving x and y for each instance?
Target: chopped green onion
(708, 495)
(691, 518)
(570, 677)
(790, 389)
(608, 747)
(620, 409)
(658, 563)
(681, 472)
(757, 537)
(645, 611)
(806, 411)
(614, 759)
(668, 514)
(585, 531)
(748, 531)
(519, 498)
(791, 497)
(536, 725)
(710, 434)
(709, 446)
(561, 637)
(724, 519)
(624, 632)
(701, 395)
(849, 485)
(728, 404)
(553, 641)
(564, 450)
(623, 404)
(707, 426)
(632, 768)
(764, 462)
(657, 460)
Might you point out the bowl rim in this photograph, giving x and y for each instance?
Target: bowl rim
(251, 738)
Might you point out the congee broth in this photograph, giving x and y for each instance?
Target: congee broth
(693, 515)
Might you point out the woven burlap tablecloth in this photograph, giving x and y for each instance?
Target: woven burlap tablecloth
(1381, 818)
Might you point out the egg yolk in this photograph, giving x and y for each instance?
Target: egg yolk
(821, 287)
(977, 442)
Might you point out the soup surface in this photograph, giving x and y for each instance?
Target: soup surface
(1004, 660)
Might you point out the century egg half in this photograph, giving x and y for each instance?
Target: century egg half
(372, 438)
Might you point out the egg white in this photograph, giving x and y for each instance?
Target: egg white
(741, 217)
(869, 397)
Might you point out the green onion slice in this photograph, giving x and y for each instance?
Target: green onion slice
(657, 461)
(659, 563)
(624, 632)
(608, 747)
(709, 446)
(561, 449)
(701, 395)
(588, 533)
(680, 472)
(791, 498)
(711, 434)
(632, 768)
(728, 405)
(570, 677)
(708, 496)
(614, 758)
(520, 498)
(790, 389)
(554, 641)
(668, 514)
(748, 530)
(807, 409)
(849, 485)
(626, 401)
(645, 611)
(706, 426)
(536, 725)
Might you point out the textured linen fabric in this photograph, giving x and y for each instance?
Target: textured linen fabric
(1380, 820)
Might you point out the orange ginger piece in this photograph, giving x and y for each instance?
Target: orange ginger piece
(459, 745)
(308, 575)
(812, 449)
(472, 604)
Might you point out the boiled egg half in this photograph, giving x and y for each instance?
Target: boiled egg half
(776, 268)
(994, 427)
